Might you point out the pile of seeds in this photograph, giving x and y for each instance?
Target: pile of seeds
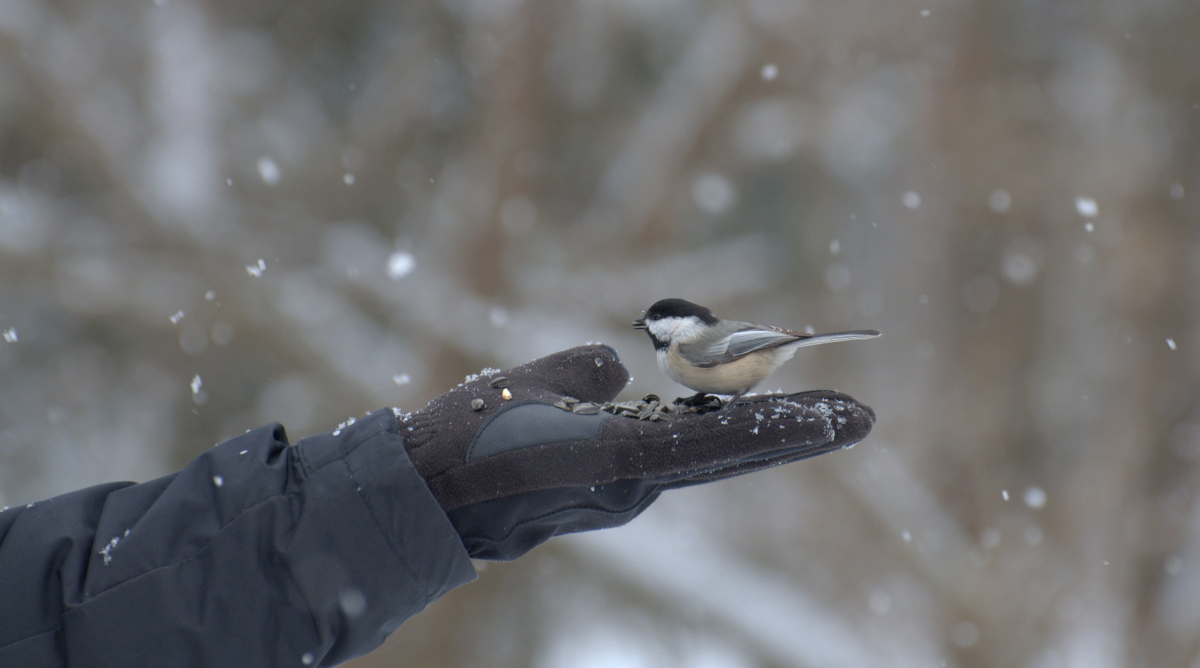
(650, 407)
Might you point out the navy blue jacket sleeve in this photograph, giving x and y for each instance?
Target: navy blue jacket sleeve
(256, 554)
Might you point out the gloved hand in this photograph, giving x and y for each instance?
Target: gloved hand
(512, 473)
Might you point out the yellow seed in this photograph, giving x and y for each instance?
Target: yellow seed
(505, 394)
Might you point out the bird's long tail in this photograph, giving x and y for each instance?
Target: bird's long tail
(833, 337)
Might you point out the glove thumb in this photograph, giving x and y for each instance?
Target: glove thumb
(589, 373)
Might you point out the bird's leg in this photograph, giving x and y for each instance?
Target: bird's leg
(732, 400)
(698, 399)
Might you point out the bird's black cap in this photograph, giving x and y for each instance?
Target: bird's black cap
(679, 308)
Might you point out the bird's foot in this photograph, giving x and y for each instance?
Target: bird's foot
(701, 402)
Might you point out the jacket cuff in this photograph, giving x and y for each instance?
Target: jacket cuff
(405, 510)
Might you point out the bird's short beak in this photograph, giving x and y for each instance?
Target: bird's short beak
(640, 323)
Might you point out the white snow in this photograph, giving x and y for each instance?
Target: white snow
(1087, 207)
(10, 335)
(106, 551)
(218, 480)
(177, 317)
(770, 71)
(353, 601)
(1019, 266)
(268, 170)
(196, 385)
(1171, 343)
(348, 179)
(1035, 497)
(911, 200)
(256, 270)
(400, 264)
(714, 193)
(401, 379)
(999, 201)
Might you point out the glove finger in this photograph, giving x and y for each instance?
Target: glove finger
(752, 465)
(590, 373)
(744, 436)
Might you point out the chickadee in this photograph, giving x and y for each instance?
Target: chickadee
(710, 355)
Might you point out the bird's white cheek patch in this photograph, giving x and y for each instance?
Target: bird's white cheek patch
(661, 329)
(676, 329)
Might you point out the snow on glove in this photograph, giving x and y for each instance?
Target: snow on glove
(513, 473)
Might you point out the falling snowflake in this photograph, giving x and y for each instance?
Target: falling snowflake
(400, 264)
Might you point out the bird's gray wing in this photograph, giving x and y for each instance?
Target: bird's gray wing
(745, 341)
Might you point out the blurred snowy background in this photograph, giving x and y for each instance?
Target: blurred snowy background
(220, 213)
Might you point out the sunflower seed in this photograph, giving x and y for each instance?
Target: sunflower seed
(651, 399)
(585, 408)
(570, 401)
(499, 382)
(559, 404)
